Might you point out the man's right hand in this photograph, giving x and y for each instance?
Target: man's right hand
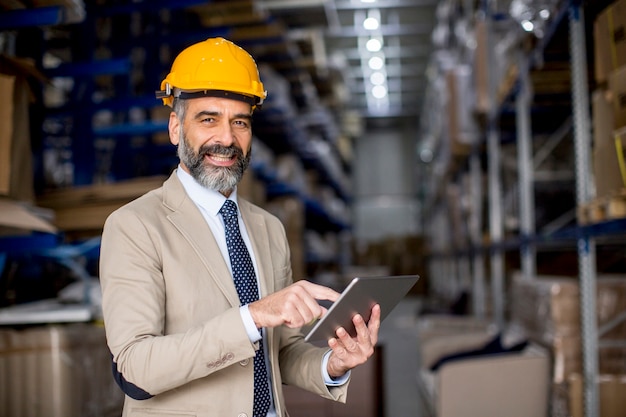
(293, 306)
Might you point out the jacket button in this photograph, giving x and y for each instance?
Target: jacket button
(242, 415)
(244, 362)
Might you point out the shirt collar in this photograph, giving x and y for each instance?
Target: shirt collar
(210, 200)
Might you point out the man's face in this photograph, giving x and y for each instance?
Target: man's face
(214, 141)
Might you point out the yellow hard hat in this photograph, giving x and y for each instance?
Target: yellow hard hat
(215, 67)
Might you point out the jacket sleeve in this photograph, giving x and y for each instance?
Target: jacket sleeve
(147, 359)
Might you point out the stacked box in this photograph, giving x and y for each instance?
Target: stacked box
(609, 40)
(290, 211)
(57, 371)
(463, 128)
(86, 208)
(16, 165)
(612, 395)
(617, 88)
(548, 308)
(606, 171)
(252, 189)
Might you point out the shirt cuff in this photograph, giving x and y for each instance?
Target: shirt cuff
(253, 333)
(327, 378)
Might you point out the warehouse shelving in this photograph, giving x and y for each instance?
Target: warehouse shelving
(24, 18)
(513, 107)
(106, 117)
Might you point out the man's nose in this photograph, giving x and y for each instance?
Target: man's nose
(224, 133)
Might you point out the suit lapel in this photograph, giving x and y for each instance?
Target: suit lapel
(259, 237)
(186, 217)
(257, 232)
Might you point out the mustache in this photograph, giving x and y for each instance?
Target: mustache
(217, 149)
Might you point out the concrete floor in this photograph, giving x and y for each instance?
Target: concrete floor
(398, 335)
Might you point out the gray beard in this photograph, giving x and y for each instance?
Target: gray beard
(221, 179)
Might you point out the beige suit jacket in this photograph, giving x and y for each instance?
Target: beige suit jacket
(171, 311)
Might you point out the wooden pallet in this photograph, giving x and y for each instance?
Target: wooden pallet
(603, 208)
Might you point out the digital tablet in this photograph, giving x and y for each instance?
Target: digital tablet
(358, 298)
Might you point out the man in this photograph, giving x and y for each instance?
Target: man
(187, 334)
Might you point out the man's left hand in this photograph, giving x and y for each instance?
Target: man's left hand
(349, 352)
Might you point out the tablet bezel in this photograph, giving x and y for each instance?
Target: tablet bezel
(361, 294)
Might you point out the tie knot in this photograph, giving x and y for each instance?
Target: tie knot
(229, 210)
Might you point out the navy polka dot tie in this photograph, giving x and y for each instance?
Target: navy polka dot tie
(245, 282)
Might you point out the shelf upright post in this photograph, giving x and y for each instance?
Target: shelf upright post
(83, 149)
(586, 244)
(495, 224)
(495, 191)
(525, 172)
(475, 233)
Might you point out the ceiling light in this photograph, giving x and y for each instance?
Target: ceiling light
(378, 78)
(373, 45)
(371, 24)
(375, 63)
(528, 25)
(426, 155)
(368, 1)
(379, 91)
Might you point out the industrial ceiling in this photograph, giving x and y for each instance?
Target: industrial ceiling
(380, 47)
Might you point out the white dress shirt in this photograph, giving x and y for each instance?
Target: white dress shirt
(210, 202)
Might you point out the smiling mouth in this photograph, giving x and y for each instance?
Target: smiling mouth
(220, 158)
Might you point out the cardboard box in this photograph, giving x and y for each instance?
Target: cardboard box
(606, 171)
(252, 189)
(57, 371)
(481, 68)
(617, 87)
(16, 215)
(547, 307)
(609, 35)
(462, 126)
(7, 84)
(512, 385)
(16, 166)
(503, 384)
(567, 358)
(86, 208)
(612, 398)
(291, 212)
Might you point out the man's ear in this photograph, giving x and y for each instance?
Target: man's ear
(173, 128)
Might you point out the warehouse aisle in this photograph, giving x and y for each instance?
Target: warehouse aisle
(399, 336)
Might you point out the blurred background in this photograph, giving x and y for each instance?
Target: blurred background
(475, 143)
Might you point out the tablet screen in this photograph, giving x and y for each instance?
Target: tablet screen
(358, 298)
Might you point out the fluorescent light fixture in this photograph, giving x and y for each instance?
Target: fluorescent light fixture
(379, 91)
(378, 78)
(375, 63)
(371, 23)
(373, 45)
(528, 25)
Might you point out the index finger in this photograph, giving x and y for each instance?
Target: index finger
(319, 292)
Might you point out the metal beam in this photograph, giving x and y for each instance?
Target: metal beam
(384, 4)
(384, 30)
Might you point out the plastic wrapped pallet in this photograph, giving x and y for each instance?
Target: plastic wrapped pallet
(549, 306)
(548, 309)
(57, 371)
